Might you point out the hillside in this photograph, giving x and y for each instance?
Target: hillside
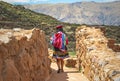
(16, 16)
(90, 13)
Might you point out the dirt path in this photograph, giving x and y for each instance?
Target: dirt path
(69, 74)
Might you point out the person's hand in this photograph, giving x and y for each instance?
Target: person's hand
(64, 51)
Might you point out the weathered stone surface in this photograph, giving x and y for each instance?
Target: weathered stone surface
(50, 51)
(23, 55)
(70, 62)
(98, 61)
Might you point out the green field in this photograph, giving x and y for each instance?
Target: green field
(72, 54)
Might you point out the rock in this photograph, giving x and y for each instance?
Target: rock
(116, 78)
(98, 61)
(10, 71)
(23, 55)
(70, 62)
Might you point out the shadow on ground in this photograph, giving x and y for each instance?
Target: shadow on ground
(63, 76)
(58, 76)
(69, 74)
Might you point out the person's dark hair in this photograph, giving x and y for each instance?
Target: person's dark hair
(60, 29)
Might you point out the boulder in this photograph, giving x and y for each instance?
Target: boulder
(23, 55)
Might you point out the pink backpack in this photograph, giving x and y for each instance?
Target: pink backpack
(57, 40)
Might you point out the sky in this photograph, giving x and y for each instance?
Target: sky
(51, 1)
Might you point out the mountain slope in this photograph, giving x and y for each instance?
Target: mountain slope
(13, 16)
(90, 13)
(18, 16)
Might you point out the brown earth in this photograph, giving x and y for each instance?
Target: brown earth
(69, 74)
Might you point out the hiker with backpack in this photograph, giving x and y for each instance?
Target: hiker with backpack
(59, 42)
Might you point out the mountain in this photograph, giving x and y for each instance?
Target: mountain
(90, 13)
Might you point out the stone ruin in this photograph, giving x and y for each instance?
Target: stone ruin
(23, 55)
(97, 61)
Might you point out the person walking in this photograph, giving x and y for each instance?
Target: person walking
(60, 42)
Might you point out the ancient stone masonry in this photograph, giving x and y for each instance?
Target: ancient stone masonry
(98, 61)
(23, 55)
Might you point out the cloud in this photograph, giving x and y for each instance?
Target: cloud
(109, 0)
(52, 1)
(22, 1)
(99, 0)
(11, 1)
(37, 0)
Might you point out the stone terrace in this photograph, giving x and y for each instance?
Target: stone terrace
(98, 61)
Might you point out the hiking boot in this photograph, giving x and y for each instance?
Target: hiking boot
(58, 71)
(62, 70)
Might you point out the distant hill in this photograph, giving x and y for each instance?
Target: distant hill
(90, 13)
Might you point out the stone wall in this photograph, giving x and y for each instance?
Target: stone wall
(23, 55)
(97, 61)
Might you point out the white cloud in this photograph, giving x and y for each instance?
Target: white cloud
(111, 0)
(12, 1)
(37, 1)
(100, 0)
